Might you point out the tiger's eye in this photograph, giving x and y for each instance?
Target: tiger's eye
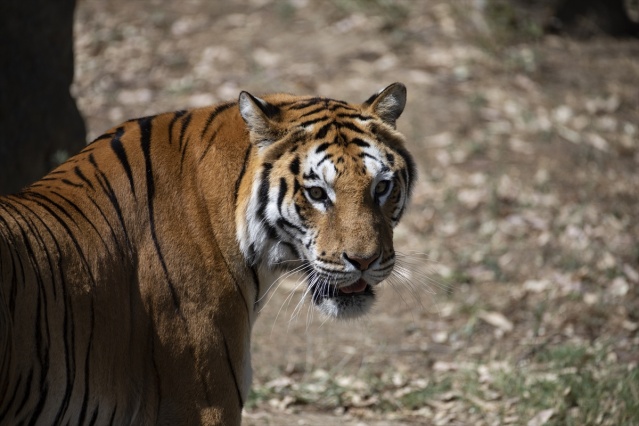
(382, 187)
(316, 193)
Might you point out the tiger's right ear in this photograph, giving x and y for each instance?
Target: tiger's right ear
(259, 117)
(388, 103)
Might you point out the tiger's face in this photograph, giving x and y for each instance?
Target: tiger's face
(331, 183)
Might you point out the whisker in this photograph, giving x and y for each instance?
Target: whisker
(313, 277)
(280, 279)
(272, 293)
(308, 269)
(414, 273)
(289, 297)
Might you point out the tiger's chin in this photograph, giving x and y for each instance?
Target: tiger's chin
(347, 303)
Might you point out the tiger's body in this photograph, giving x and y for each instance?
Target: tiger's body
(130, 276)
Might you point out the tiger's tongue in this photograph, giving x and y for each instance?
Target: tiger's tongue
(354, 288)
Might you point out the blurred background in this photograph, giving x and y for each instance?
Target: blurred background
(521, 249)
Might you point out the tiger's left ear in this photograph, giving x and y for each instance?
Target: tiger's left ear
(388, 104)
(259, 117)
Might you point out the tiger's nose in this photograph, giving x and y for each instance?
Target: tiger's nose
(361, 263)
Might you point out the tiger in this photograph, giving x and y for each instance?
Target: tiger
(132, 274)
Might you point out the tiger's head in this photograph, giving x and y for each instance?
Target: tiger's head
(326, 185)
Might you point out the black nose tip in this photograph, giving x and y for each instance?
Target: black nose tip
(361, 263)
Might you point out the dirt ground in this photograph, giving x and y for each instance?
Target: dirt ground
(519, 302)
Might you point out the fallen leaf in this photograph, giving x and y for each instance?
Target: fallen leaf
(496, 319)
(541, 418)
(536, 286)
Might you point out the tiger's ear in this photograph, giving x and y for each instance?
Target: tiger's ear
(388, 104)
(259, 116)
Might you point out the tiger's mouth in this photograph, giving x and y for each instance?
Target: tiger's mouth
(358, 286)
(323, 291)
(350, 301)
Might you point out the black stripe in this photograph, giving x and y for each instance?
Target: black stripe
(325, 158)
(321, 133)
(43, 352)
(85, 217)
(306, 103)
(138, 119)
(229, 360)
(113, 233)
(322, 147)
(176, 117)
(302, 218)
(367, 155)
(391, 159)
(145, 142)
(256, 284)
(262, 193)
(285, 223)
(282, 194)
(87, 150)
(294, 167)
(185, 125)
(296, 186)
(85, 399)
(352, 127)
(271, 232)
(354, 116)
(68, 182)
(208, 146)
(69, 331)
(99, 138)
(339, 103)
(361, 143)
(411, 169)
(311, 112)
(311, 175)
(184, 143)
(81, 175)
(118, 148)
(313, 121)
(108, 190)
(216, 111)
(238, 181)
